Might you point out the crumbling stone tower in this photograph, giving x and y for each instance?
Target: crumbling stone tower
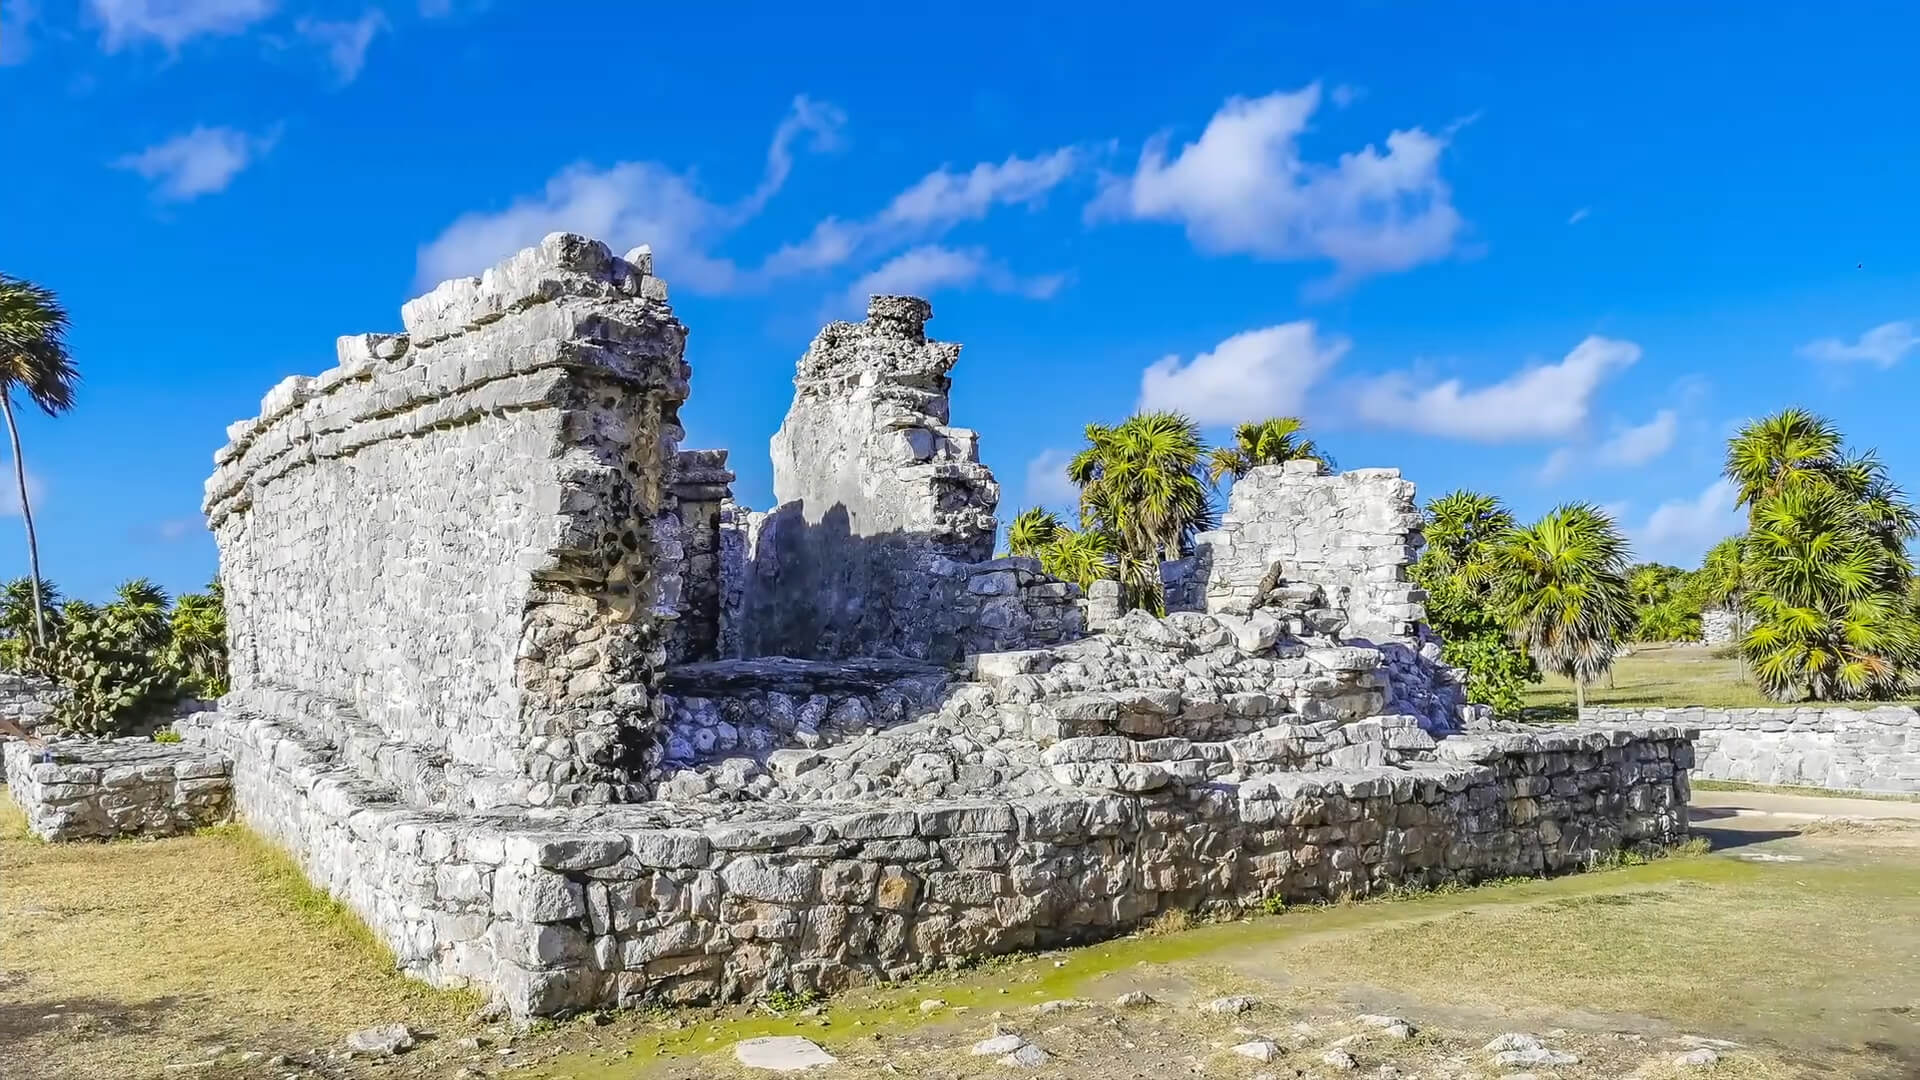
(442, 555)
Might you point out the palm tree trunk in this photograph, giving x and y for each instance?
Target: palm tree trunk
(26, 515)
(1579, 696)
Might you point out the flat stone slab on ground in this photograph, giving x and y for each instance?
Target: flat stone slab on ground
(781, 1053)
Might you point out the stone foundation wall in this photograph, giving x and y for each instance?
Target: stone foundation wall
(556, 911)
(1874, 749)
(700, 490)
(84, 790)
(452, 533)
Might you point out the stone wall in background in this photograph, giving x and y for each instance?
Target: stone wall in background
(1351, 535)
(27, 700)
(109, 789)
(700, 486)
(883, 512)
(1863, 749)
(450, 536)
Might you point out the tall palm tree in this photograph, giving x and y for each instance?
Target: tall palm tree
(1274, 441)
(1562, 590)
(1141, 481)
(197, 641)
(1830, 599)
(1768, 453)
(1461, 528)
(144, 609)
(35, 361)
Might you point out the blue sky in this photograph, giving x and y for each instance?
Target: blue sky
(1553, 254)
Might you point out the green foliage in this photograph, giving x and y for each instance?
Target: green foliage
(1457, 570)
(1665, 606)
(121, 661)
(166, 735)
(786, 1001)
(1141, 483)
(1561, 588)
(110, 669)
(1032, 530)
(1823, 570)
(1273, 441)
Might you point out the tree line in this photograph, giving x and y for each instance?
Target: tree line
(1820, 584)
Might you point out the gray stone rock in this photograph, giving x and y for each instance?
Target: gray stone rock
(781, 1053)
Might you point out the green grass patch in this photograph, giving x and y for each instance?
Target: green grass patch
(1664, 676)
(1804, 789)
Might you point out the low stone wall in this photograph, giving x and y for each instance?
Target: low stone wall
(1816, 745)
(556, 910)
(83, 790)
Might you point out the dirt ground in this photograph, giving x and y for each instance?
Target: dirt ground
(1793, 950)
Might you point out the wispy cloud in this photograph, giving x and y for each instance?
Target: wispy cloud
(1257, 373)
(10, 490)
(345, 43)
(1579, 215)
(1542, 401)
(170, 23)
(1047, 483)
(922, 271)
(1680, 530)
(199, 162)
(1882, 347)
(1244, 187)
(16, 19)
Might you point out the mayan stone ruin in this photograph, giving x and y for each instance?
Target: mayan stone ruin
(517, 680)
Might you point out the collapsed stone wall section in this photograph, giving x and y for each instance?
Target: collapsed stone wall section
(1829, 746)
(449, 537)
(885, 514)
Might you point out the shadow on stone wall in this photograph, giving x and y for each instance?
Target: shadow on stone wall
(819, 590)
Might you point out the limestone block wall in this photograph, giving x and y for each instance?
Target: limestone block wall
(556, 913)
(1826, 746)
(86, 790)
(881, 541)
(450, 536)
(1351, 534)
(700, 489)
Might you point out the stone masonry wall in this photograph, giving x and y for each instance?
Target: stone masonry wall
(450, 535)
(87, 790)
(1351, 534)
(884, 512)
(700, 489)
(1816, 745)
(558, 912)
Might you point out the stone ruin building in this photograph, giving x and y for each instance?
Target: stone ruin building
(516, 679)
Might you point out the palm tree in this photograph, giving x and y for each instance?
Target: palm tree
(197, 640)
(1562, 590)
(1273, 441)
(34, 360)
(1768, 453)
(144, 609)
(1462, 527)
(1032, 530)
(1141, 481)
(1830, 599)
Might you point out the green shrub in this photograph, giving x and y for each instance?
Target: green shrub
(111, 672)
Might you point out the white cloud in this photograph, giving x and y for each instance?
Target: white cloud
(345, 42)
(1047, 483)
(924, 270)
(1250, 375)
(1883, 346)
(929, 207)
(1346, 94)
(1579, 215)
(1641, 444)
(1243, 188)
(10, 490)
(199, 162)
(172, 22)
(630, 203)
(1558, 464)
(1542, 401)
(1681, 530)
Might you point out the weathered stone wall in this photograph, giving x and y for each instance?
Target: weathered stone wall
(1720, 626)
(1351, 534)
(1825, 746)
(88, 790)
(656, 902)
(700, 490)
(884, 512)
(450, 536)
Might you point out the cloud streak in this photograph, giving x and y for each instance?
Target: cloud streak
(1254, 374)
(1542, 401)
(198, 162)
(1882, 347)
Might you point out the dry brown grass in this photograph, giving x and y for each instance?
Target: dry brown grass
(117, 959)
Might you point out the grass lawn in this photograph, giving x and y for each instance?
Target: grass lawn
(1659, 674)
(207, 954)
